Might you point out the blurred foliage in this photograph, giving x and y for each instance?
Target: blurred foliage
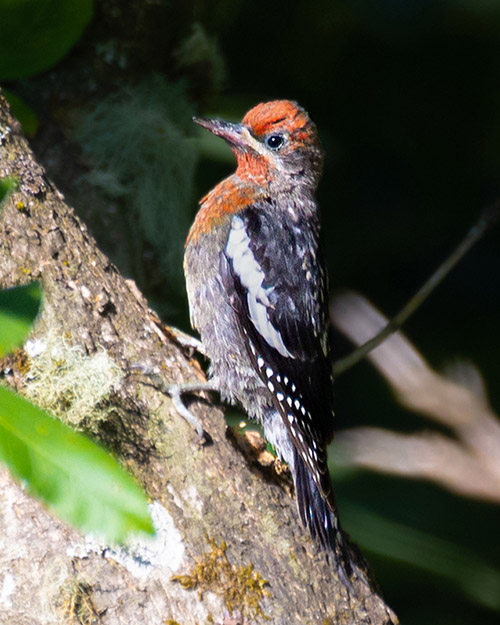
(78, 480)
(18, 309)
(476, 578)
(23, 113)
(34, 34)
(7, 186)
(199, 56)
(140, 148)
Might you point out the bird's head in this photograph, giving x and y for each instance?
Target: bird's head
(277, 141)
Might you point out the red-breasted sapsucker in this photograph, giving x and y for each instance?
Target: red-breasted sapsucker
(258, 295)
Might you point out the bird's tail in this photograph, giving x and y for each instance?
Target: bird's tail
(320, 518)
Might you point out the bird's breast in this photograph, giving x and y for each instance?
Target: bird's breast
(229, 197)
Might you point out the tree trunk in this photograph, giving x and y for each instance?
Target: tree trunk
(205, 497)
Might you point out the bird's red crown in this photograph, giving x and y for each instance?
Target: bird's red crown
(284, 115)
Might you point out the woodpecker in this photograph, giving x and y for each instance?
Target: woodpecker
(258, 295)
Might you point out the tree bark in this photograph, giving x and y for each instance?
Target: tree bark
(205, 496)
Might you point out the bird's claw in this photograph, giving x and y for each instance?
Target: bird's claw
(175, 392)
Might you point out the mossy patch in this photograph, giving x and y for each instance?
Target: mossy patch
(241, 587)
(69, 383)
(77, 606)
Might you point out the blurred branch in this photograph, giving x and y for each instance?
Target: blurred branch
(488, 217)
(468, 464)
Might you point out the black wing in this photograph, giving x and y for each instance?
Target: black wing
(276, 281)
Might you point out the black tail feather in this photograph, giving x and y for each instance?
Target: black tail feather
(320, 518)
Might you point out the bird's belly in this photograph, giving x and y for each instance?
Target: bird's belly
(223, 341)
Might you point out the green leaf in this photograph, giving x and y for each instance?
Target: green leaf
(72, 475)
(18, 308)
(35, 34)
(22, 112)
(7, 186)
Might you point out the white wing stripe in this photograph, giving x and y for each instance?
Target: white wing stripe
(252, 278)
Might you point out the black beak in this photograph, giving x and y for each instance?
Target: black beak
(232, 133)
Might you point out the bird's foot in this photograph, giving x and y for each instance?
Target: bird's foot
(187, 341)
(176, 392)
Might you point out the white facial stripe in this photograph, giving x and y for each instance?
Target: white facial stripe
(252, 278)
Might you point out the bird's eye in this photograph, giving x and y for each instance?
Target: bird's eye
(275, 142)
